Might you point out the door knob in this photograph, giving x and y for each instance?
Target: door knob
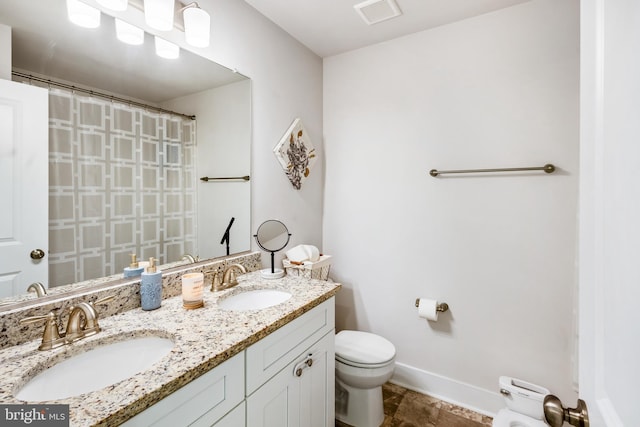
(37, 254)
(556, 414)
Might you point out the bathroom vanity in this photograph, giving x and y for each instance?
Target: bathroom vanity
(283, 380)
(268, 367)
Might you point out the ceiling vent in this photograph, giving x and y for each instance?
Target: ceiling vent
(374, 11)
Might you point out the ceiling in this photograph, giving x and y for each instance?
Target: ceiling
(46, 43)
(330, 27)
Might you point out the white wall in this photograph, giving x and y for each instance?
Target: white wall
(5, 52)
(223, 131)
(286, 83)
(498, 90)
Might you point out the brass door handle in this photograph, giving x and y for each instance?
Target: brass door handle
(37, 254)
(556, 414)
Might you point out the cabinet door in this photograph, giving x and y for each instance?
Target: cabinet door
(317, 385)
(301, 394)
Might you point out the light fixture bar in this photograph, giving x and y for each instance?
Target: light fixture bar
(158, 14)
(118, 5)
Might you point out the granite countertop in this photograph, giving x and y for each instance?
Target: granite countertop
(203, 339)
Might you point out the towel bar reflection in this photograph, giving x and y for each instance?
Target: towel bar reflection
(230, 178)
(548, 168)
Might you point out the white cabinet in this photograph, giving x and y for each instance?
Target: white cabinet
(301, 394)
(235, 418)
(290, 373)
(284, 380)
(202, 402)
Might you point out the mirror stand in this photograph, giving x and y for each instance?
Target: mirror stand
(272, 236)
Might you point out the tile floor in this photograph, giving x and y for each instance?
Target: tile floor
(407, 408)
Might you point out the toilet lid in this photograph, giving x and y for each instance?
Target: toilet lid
(363, 348)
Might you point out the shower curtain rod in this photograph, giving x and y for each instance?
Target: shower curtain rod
(99, 94)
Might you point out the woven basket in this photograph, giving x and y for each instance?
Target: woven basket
(310, 270)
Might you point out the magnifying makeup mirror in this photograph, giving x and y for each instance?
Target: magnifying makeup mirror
(272, 236)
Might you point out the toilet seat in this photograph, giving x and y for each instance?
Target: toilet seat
(363, 349)
(508, 418)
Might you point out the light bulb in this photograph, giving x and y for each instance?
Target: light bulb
(82, 14)
(197, 25)
(166, 49)
(129, 34)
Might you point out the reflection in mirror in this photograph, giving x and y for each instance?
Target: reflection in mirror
(124, 178)
(272, 236)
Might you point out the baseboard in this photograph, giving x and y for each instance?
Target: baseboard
(458, 393)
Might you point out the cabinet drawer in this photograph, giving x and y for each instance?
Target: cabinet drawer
(269, 355)
(235, 418)
(205, 399)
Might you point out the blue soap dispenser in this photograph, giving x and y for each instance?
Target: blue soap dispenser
(151, 287)
(134, 269)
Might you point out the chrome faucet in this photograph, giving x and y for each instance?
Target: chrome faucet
(38, 288)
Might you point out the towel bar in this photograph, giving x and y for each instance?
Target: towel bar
(230, 178)
(548, 168)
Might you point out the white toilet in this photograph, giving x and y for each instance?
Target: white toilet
(524, 404)
(364, 361)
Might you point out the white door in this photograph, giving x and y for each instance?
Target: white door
(609, 272)
(24, 178)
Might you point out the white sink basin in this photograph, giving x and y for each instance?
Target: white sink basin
(254, 300)
(95, 369)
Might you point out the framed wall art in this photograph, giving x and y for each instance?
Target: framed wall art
(296, 153)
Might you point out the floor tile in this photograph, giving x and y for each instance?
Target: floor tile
(407, 408)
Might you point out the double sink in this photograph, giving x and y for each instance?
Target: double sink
(110, 363)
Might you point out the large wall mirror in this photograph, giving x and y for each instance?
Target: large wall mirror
(155, 202)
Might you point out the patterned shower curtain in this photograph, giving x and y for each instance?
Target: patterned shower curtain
(121, 181)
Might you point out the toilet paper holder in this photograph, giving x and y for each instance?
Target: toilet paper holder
(441, 307)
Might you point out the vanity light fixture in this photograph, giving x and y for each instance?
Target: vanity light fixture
(119, 5)
(158, 14)
(82, 14)
(166, 49)
(129, 34)
(197, 25)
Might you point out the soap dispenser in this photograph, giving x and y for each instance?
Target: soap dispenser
(134, 268)
(151, 287)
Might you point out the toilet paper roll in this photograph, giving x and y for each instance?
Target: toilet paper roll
(427, 308)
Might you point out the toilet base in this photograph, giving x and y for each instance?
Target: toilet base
(359, 407)
(508, 418)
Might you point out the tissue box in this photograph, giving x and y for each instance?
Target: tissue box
(311, 270)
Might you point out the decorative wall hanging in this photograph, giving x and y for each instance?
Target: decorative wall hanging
(296, 153)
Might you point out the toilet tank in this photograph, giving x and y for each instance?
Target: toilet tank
(523, 397)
